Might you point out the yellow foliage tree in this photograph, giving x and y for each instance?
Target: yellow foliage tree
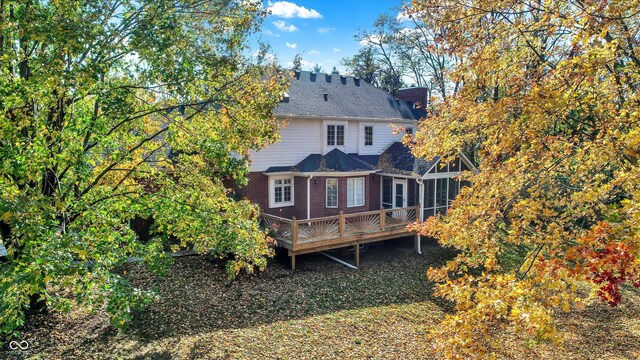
(551, 106)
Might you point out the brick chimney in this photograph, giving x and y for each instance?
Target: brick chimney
(419, 96)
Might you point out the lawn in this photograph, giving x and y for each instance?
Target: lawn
(322, 310)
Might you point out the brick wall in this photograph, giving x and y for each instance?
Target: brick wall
(416, 95)
(258, 192)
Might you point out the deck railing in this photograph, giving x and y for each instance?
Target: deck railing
(295, 232)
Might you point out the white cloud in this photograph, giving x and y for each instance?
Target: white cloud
(303, 63)
(403, 16)
(326, 30)
(291, 46)
(267, 56)
(282, 26)
(289, 10)
(336, 50)
(371, 39)
(314, 52)
(270, 33)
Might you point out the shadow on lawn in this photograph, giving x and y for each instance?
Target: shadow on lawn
(195, 296)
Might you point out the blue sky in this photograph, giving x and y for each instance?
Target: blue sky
(322, 30)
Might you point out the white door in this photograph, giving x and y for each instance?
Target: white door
(399, 193)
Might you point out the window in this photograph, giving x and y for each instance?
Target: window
(335, 135)
(355, 192)
(332, 193)
(387, 192)
(368, 135)
(440, 193)
(408, 131)
(281, 192)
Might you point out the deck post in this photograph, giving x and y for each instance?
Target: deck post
(294, 231)
(383, 216)
(341, 224)
(416, 243)
(357, 255)
(293, 262)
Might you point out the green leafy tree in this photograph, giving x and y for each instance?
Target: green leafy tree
(317, 68)
(297, 62)
(335, 71)
(364, 66)
(116, 110)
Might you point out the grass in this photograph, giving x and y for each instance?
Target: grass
(323, 310)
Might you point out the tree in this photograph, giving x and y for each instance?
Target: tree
(550, 100)
(297, 62)
(409, 48)
(117, 110)
(317, 68)
(363, 65)
(335, 71)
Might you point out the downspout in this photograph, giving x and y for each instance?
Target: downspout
(421, 215)
(309, 197)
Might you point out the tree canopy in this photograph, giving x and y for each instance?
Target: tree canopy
(550, 100)
(117, 110)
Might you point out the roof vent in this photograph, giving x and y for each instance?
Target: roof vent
(312, 77)
(285, 98)
(343, 79)
(296, 73)
(326, 96)
(327, 77)
(356, 81)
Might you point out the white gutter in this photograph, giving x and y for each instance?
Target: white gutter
(309, 197)
(421, 215)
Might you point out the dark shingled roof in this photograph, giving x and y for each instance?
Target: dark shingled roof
(340, 96)
(333, 161)
(398, 159)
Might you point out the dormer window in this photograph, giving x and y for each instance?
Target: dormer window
(335, 135)
(408, 131)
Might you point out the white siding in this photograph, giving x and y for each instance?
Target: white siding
(352, 137)
(300, 138)
(383, 137)
(303, 137)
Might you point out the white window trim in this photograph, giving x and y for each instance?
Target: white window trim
(325, 133)
(326, 195)
(364, 192)
(272, 192)
(364, 135)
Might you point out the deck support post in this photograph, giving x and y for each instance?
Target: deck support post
(357, 254)
(294, 231)
(416, 243)
(293, 262)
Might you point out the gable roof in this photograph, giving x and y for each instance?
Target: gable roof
(340, 96)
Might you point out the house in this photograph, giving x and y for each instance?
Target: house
(340, 175)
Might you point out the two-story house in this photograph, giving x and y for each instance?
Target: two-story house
(340, 175)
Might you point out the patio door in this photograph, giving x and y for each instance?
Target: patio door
(399, 193)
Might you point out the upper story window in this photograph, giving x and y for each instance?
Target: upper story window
(408, 131)
(335, 135)
(368, 135)
(281, 192)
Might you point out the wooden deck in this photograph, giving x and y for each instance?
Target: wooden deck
(331, 232)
